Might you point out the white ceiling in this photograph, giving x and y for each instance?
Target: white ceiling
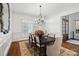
(48, 9)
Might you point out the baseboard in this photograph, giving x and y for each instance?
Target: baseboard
(20, 40)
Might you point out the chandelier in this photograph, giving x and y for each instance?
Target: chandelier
(40, 19)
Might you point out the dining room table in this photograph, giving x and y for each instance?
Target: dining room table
(46, 40)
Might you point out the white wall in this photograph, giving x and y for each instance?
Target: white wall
(56, 21)
(17, 20)
(17, 28)
(54, 25)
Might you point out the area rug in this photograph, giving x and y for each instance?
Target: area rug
(27, 51)
(24, 49)
(76, 42)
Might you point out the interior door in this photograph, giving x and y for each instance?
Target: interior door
(65, 27)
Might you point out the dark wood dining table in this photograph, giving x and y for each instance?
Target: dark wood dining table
(46, 40)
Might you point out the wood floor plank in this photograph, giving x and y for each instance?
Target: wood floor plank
(14, 49)
(70, 46)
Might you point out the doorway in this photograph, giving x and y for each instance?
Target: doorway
(65, 28)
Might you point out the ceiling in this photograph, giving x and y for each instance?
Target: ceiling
(48, 9)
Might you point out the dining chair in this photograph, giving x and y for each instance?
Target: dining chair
(54, 50)
(38, 44)
(31, 40)
(32, 43)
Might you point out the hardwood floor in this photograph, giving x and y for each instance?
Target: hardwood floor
(71, 46)
(14, 49)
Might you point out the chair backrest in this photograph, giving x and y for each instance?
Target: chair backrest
(37, 39)
(31, 37)
(54, 50)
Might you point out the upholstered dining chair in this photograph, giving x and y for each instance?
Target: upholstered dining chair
(54, 50)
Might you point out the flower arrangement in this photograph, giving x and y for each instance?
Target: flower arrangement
(39, 33)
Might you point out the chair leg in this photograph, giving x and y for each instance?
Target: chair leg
(40, 52)
(31, 44)
(35, 50)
